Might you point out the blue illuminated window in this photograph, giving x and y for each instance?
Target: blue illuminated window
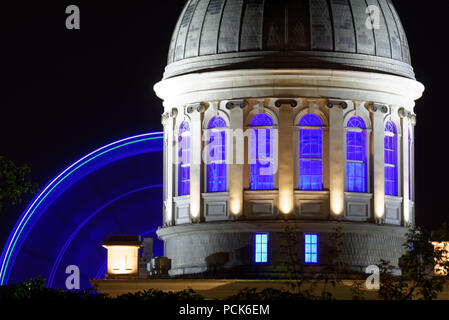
(184, 159)
(216, 162)
(356, 161)
(391, 160)
(311, 248)
(310, 153)
(261, 171)
(261, 247)
(409, 165)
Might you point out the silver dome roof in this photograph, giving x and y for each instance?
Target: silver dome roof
(216, 35)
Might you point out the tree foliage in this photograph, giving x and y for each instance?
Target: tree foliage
(14, 183)
(417, 279)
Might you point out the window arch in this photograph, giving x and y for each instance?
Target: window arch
(216, 156)
(184, 159)
(391, 159)
(310, 153)
(261, 162)
(356, 159)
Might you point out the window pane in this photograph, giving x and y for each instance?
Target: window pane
(261, 248)
(184, 159)
(261, 171)
(216, 162)
(391, 154)
(311, 248)
(356, 164)
(310, 167)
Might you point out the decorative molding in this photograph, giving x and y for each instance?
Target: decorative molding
(293, 103)
(232, 104)
(337, 103)
(199, 107)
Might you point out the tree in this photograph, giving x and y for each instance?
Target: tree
(14, 183)
(417, 280)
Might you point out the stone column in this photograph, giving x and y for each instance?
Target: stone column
(336, 158)
(285, 155)
(378, 161)
(169, 166)
(195, 112)
(406, 121)
(405, 171)
(236, 156)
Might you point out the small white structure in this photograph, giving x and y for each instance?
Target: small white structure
(286, 113)
(123, 256)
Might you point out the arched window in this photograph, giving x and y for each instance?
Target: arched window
(391, 160)
(356, 159)
(310, 165)
(184, 159)
(261, 162)
(409, 165)
(216, 158)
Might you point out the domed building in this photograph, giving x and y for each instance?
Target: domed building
(285, 113)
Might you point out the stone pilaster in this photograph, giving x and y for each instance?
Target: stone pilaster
(169, 129)
(336, 158)
(195, 112)
(237, 156)
(378, 161)
(286, 164)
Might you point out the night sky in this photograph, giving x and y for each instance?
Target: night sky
(64, 93)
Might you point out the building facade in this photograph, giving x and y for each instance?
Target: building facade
(287, 113)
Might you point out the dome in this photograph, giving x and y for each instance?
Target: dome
(213, 35)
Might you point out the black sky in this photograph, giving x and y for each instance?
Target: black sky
(64, 93)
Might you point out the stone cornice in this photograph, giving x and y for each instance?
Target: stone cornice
(294, 83)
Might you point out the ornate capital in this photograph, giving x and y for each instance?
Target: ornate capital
(199, 107)
(279, 103)
(174, 113)
(407, 114)
(337, 103)
(233, 104)
(378, 107)
(164, 118)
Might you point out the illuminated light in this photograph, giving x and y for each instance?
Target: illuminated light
(379, 208)
(123, 255)
(443, 247)
(261, 248)
(236, 207)
(194, 209)
(78, 229)
(17, 233)
(407, 211)
(337, 202)
(286, 202)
